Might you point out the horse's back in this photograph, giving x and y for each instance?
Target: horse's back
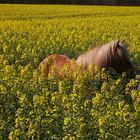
(61, 60)
(55, 60)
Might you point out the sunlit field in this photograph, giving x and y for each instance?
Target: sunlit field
(87, 106)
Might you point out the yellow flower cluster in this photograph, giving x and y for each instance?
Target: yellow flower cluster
(83, 105)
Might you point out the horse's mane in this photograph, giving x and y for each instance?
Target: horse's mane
(108, 52)
(103, 56)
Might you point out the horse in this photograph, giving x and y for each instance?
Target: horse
(113, 54)
(55, 63)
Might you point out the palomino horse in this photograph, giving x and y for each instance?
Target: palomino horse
(56, 62)
(113, 54)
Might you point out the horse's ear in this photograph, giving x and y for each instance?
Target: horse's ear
(116, 45)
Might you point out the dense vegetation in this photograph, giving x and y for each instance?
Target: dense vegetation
(82, 105)
(89, 2)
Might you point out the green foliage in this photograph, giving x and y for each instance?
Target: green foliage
(82, 105)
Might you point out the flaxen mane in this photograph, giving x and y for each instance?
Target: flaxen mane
(113, 54)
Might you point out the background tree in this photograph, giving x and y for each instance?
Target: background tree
(86, 2)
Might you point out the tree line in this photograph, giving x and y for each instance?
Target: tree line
(86, 2)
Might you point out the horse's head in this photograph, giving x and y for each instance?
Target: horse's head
(120, 59)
